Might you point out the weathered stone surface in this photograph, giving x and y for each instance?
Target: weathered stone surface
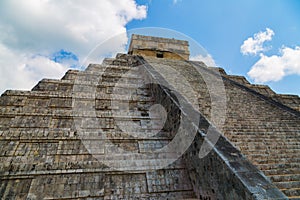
(159, 47)
(43, 156)
(220, 174)
(94, 134)
(267, 132)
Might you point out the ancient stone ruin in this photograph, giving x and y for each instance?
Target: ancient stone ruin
(150, 124)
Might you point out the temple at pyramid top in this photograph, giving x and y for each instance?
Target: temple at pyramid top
(159, 47)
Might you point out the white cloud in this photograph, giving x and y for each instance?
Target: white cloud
(19, 71)
(207, 59)
(42, 27)
(275, 67)
(254, 45)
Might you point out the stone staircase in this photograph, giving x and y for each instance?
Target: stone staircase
(266, 131)
(49, 151)
(269, 136)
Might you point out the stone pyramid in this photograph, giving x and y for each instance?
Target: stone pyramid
(150, 124)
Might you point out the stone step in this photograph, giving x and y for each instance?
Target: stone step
(122, 79)
(285, 177)
(89, 80)
(116, 68)
(268, 142)
(132, 118)
(288, 184)
(106, 111)
(83, 164)
(294, 197)
(283, 121)
(55, 85)
(264, 146)
(277, 136)
(260, 146)
(55, 135)
(124, 98)
(117, 62)
(278, 166)
(67, 85)
(269, 151)
(123, 90)
(123, 85)
(272, 156)
(43, 94)
(254, 140)
(121, 60)
(276, 160)
(262, 131)
(271, 121)
(18, 99)
(141, 129)
(239, 79)
(294, 193)
(235, 117)
(71, 74)
(280, 171)
(248, 123)
(251, 128)
(267, 132)
(275, 155)
(115, 107)
(130, 75)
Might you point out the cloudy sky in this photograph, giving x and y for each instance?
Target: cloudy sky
(254, 38)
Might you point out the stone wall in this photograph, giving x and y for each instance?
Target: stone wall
(164, 54)
(159, 47)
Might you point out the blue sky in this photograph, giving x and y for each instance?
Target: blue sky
(254, 38)
(221, 27)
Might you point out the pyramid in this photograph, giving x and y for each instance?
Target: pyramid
(149, 124)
